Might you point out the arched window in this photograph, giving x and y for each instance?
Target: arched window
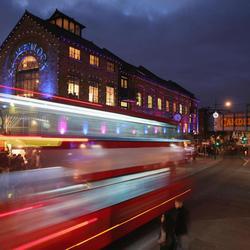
(27, 75)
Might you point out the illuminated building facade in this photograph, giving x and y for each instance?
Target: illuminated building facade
(52, 57)
(235, 124)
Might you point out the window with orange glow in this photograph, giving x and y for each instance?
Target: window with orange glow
(59, 22)
(174, 107)
(27, 76)
(94, 60)
(159, 103)
(180, 108)
(66, 24)
(139, 99)
(110, 96)
(73, 87)
(150, 101)
(93, 94)
(167, 106)
(124, 82)
(74, 53)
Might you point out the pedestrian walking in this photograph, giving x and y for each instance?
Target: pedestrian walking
(167, 239)
(162, 234)
(181, 225)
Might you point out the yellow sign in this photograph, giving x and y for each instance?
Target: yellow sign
(236, 122)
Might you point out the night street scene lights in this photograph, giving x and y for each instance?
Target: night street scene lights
(228, 104)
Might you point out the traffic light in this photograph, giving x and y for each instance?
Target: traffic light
(244, 139)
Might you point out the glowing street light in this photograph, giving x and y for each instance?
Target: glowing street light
(228, 104)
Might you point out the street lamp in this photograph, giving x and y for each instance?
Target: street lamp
(228, 104)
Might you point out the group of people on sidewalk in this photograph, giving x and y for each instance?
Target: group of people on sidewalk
(174, 228)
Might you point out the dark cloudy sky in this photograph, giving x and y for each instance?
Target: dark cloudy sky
(202, 44)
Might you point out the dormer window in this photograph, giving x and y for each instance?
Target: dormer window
(77, 30)
(66, 22)
(59, 22)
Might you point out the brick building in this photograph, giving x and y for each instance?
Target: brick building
(53, 57)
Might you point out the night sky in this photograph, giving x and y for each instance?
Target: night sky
(204, 45)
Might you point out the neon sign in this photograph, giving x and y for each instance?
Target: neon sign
(35, 49)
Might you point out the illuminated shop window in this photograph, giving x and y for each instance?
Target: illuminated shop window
(93, 94)
(139, 99)
(159, 103)
(27, 75)
(174, 107)
(73, 88)
(150, 101)
(110, 67)
(167, 106)
(124, 105)
(124, 82)
(110, 96)
(186, 109)
(180, 108)
(94, 60)
(74, 53)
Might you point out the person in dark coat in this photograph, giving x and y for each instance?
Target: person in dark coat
(181, 225)
(167, 237)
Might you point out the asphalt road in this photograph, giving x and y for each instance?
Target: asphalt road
(219, 209)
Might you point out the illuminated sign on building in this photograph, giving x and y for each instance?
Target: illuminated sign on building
(237, 121)
(232, 122)
(32, 48)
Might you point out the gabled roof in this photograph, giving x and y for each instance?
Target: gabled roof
(60, 32)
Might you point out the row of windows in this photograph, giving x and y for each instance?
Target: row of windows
(93, 60)
(67, 25)
(181, 109)
(73, 91)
